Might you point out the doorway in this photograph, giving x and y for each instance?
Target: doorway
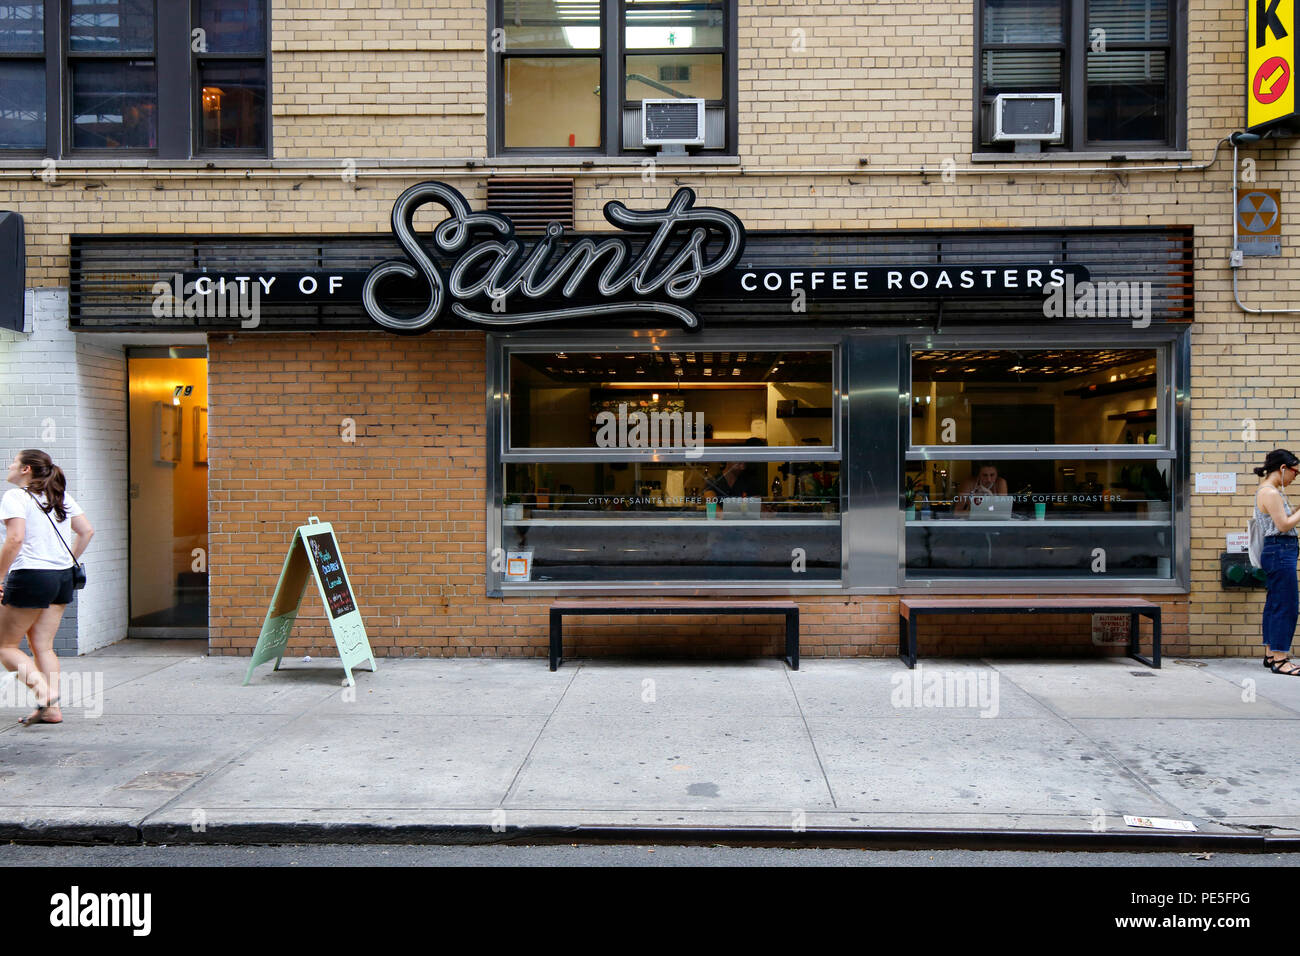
(168, 491)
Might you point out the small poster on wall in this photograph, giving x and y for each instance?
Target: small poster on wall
(1216, 483)
(1110, 630)
(166, 434)
(519, 565)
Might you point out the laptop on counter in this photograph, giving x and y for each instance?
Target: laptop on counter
(983, 507)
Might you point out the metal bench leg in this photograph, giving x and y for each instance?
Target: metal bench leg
(907, 639)
(557, 639)
(792, 639)
(1134, 638)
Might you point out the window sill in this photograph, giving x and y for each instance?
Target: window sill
(561, 160)
(249, 162)
(36, 163)
(1095, 156)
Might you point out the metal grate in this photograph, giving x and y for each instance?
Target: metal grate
(531, 202)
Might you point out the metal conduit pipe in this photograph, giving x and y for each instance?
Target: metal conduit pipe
(637, 170)
(1232, 261)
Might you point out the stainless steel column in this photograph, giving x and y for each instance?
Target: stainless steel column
(871, 460)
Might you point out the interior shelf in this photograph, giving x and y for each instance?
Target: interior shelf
(1142, 415)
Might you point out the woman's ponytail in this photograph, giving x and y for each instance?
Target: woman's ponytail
(48, 479)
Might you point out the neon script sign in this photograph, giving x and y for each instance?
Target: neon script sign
(685, 245)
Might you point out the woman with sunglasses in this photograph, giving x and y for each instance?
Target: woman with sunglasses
(1278, 559)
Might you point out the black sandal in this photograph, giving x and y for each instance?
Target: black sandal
(1277, 666)
(38, 716)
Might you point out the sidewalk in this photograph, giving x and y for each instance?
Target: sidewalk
(438, 750)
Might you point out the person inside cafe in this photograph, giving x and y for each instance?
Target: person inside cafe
(984, 480)
(740, 479)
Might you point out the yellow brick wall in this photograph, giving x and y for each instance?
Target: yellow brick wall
(821, 85)
(379, 79)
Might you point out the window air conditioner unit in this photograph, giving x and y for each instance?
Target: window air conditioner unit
(672, 122)
(1026, 117)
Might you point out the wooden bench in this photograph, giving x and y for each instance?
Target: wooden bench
(910, 608)
(562, 609)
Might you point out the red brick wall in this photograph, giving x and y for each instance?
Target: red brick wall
(406, 499)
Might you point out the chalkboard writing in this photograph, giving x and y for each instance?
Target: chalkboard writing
(329, 569)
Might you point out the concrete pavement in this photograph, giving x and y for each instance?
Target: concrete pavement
(163, 745)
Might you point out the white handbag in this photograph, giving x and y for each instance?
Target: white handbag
(1255, 540)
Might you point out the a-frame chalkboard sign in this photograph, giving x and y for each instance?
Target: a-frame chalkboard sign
(314, 552)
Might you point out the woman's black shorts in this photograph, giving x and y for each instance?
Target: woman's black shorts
(33, 587)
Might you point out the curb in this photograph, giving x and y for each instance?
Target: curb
(238, 834)
(116, 834)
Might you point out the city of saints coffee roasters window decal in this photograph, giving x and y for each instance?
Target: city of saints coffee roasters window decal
(486, 276)
(498, 269)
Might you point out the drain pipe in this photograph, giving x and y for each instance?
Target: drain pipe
(1236, 259)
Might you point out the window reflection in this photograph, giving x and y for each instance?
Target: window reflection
(233, 99)
(114, 104)
(22, 105)
(111, 26)
(22, 27)
(233, 26)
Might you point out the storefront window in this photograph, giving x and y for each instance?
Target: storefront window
(1035, 397)
(1039, 517)
(660, 466)
(990, 489)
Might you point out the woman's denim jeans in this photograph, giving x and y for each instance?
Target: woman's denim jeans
(1283, 602)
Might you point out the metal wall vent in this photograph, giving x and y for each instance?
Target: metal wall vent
(530, 202)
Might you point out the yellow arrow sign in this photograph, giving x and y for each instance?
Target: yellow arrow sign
(1271, 60)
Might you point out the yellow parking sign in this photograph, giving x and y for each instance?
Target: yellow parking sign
(1270, 67)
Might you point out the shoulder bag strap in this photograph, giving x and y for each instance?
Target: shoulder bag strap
(57, 533)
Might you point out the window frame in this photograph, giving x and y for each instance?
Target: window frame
(613, 54)
(50, 41)
(1173, 356)
(196, 59)
(1074, 49)
(500, 346)
(177, 93)
(67, 57)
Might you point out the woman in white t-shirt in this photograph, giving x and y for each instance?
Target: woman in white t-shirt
(36, 562)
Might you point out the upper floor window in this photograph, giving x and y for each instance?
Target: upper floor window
(22, 75)
(168, 79)
(572, 74)
(1117, 64)
(229, 73)
(112, 74)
